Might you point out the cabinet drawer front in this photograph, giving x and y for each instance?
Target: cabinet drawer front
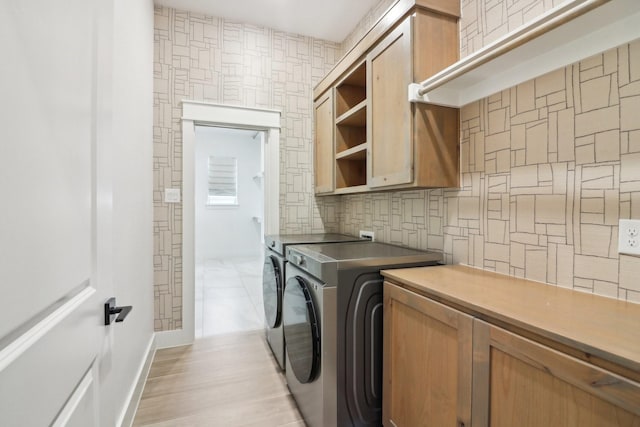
(533, 385)
(427, 362)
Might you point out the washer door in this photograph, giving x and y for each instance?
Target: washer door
(301, 330)
(272, 291)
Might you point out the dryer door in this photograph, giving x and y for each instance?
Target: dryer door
(272, 291)
(301, 330)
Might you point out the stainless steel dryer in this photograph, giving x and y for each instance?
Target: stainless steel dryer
(333, 328)
(273, 274)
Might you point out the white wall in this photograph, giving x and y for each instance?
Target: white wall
(229, 231)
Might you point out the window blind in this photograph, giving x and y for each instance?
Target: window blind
(223, 181)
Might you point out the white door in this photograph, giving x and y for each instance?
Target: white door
(52, 207)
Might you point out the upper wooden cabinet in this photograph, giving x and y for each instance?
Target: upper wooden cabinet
(323, 144)
(411, 145)
(390, 139)
(381, 140)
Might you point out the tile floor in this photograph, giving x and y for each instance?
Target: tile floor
(228, 296)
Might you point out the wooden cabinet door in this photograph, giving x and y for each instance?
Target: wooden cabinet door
(390, 130)
(323, 144)
(427, 362)
(518, 382)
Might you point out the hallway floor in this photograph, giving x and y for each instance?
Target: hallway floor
(228, 377)
(228, 296)
(229, 380)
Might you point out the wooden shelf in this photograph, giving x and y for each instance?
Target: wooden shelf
(351, 130)
(359, 152)
(349, 136)
(353, 189)
(348, 96)
(566, 34)
(358, 76)
(352, 90)
(351, 172)
(356, 116)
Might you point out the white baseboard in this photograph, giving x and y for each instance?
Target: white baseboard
(175, 338)
(164, 339)
(129, 413)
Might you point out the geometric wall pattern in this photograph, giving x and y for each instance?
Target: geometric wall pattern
(200, 57)
(365, 24)
(548, 169)
(484, 21)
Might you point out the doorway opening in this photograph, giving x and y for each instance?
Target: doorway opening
(199, 113)
(229, 229)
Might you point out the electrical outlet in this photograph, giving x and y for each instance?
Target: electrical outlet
(368, 235)
(628, 239)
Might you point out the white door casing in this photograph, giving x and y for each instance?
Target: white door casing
(211, 114)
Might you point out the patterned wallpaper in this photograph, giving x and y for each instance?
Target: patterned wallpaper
(365, 23)
(548, 168)
(484, 21)
(200, 57)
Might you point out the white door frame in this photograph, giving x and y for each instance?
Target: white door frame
(211, 114)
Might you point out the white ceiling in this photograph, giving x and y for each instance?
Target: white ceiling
(324, 19)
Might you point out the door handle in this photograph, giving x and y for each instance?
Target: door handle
(110, 309)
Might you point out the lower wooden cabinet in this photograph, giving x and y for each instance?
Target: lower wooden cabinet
(427, 362)
(523, 383)
(444, 368)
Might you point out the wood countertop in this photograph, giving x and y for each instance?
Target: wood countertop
(604, 331)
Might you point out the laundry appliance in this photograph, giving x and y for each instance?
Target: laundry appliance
(273, 275)
(333, 328)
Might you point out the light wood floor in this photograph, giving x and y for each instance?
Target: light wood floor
(225, 380)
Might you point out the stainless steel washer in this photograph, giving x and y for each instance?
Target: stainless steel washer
(273, 276)
(333, 328)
